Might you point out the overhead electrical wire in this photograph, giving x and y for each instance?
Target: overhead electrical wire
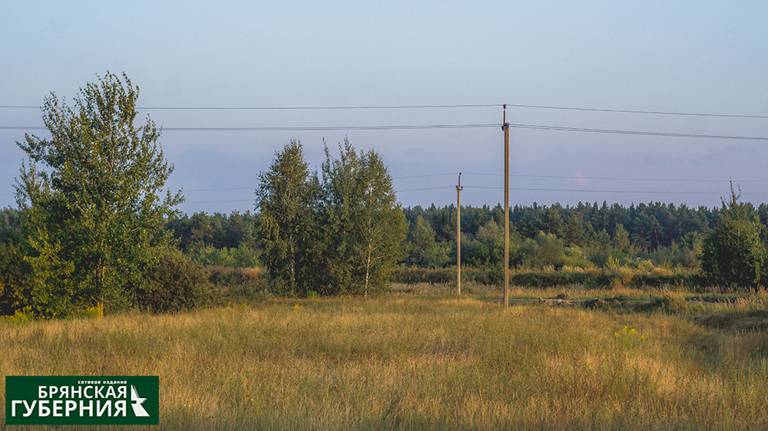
(638, 111)
(538, 189)
(610, 178)
(635, 132)
(446, 126)
(548, 189)
(301, 128)
(428, 106)
(397, 178)
(293, 108)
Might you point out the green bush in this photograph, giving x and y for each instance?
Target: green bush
(412, 275)
(15, 289)
(687, 280)
(235, 257)
(239, 282)
(671, 304)
(733, 253)
(595, 279)
(177, 283)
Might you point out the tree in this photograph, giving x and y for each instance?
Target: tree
(733, 252)
(423, 249)
(285, 202)
(621, 239)
(381, 223)
(91, 200)
(574, 229)
(491, 236)
(363, 227)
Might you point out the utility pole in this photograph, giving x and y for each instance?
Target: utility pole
(505, 128)
(459, 188)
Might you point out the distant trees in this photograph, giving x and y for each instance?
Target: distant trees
(91, 203)
(338, 233)
(665, 234)
(734, 253)
(215, 230)
(423, 248)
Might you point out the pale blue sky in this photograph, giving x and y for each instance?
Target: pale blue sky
(705, 56)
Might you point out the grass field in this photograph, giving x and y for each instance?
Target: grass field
(421, 359)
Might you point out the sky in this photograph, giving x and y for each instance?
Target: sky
(692, 56)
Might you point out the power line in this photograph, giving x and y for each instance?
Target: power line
(423, 188)
(638, 111)
(635, 132)
(292, 108)
(252, 200)
(587, 177)
(405, 177)
(546, 189)
(427, 106)
(445, 126)
(237, 188)
(538, 189)
(300, 128)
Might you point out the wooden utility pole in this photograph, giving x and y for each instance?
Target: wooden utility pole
(505, 128)
(459, 188)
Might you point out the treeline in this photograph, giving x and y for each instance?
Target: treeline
(229, 240)
(580, 235)
(665, 234)
(96, 228)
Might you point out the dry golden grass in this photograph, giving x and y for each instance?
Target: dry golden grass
(414, 361)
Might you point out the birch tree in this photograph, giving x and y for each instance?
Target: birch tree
(364, 226)
(285, 201)
(92, 197)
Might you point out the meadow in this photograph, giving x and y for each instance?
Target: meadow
(419, 358)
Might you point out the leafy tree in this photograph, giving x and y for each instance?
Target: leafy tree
(284, 200)
(424, 250)
(491, 235)
(733, 252)
(10, 226)
(90, 195)
(381, 223)
(363, 227)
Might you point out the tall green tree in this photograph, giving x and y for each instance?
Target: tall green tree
(381, 222)
(285, 201)
(733, 253)
(363, 227)
(92, 201)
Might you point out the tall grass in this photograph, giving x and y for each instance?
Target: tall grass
(414, 362)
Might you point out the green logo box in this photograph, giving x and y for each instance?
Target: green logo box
(82, 400)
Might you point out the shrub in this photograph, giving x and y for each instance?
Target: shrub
(413, 275)
(734, 251)
(590, 278)
(177, 283)
(18, 317)
(239, 282)
(236, 257)
(598, 304)
(671, 304)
